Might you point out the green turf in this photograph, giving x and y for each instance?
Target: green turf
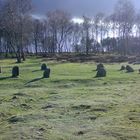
(71, 105)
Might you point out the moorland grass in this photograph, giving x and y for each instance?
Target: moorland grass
(71, 105)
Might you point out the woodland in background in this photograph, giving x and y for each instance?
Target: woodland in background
(21, 34)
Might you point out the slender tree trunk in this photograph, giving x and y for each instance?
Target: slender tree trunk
(18, 59)
(36, 47)
(0, 45)
(23, 56)
(18, 55)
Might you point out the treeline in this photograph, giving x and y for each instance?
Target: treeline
(22, 34)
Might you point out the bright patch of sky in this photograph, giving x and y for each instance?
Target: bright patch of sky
(77, 20)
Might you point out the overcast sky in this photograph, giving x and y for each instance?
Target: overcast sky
(78, 7)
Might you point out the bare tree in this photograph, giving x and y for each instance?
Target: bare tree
(76, 37)
(125, 16)
(60, 26)
(37, 33)
(16, 14)
(86, 33)
(98, 26)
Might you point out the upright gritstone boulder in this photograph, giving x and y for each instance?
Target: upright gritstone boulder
(129, 69)
(43, 66)
(99, 66)
(101, 72)
(46, 73)
(15, 71)
(122, 68)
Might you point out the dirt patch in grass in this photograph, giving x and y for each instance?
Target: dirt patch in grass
(79, 133)
(91, 108)
(99, 109)
(25, 106)
(120, 135)
(53, 93)
(16, 119)
(14, 97)
(20, 94)
(49, 106)
(81, 107)
(90, 117)
(134, 117)
(4, 115)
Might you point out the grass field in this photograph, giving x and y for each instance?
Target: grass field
(71, 105)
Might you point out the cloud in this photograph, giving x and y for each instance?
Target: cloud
(77, 7)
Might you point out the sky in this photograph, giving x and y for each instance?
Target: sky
(77, 8)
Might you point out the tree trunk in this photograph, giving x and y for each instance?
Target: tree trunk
(36, 47)
(18, 55)
(23, 56)
(18, 59)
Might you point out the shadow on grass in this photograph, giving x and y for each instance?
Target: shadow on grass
(34, 80)
(4, 78)
(80, 81)
(17, 62)
(36, 70)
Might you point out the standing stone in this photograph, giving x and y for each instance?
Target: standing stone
(122, 68)
(0, 70)
(43, 66)
(129, 69)
(15, 71)
(99, 66)
(101, 72)
(46, 73)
